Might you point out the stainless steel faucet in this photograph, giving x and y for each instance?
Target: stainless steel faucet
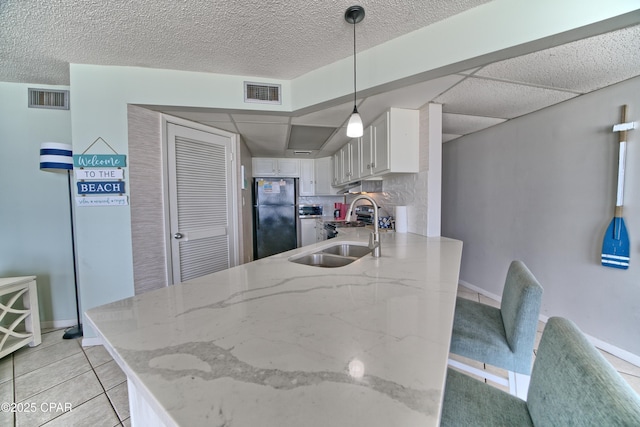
(374, 238)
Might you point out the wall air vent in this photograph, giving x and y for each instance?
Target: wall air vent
(47, 98)
(262, 93)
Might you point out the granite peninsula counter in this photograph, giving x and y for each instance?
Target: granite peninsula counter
(274, 343)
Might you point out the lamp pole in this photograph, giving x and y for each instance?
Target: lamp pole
(57, 157)
(75, 332)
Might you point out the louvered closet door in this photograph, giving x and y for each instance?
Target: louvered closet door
(199, 202)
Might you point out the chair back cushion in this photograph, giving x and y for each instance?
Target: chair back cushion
(520, 310)
(573, 384)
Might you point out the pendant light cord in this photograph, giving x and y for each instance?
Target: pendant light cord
(354, 62)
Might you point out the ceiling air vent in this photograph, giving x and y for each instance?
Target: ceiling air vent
(262, 93)
(47, 98)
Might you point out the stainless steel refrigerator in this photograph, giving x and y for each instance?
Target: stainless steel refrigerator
(275, 216)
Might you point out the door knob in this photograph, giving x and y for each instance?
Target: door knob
(178, 236)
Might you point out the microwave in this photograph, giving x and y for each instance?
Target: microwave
(309, 211)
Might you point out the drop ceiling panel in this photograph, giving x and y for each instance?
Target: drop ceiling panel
(264, 140)
(461, 124)
(334, 116)
(581, 66)
(414, 96)
(338, 139)
(480, 97)
(309, 137)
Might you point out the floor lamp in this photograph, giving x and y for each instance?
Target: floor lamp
(56, 157)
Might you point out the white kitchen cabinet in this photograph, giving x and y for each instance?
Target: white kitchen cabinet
(322, 176)
(355, 159)
(391, 143)
(368, 154)
(307, 231)
(337, 169)
(276, 167)
(264, 167)
(382, 147)
(289, 167)
(349, 162)
(315, 177)
(307, 182)
(345, 162)
(375, 151)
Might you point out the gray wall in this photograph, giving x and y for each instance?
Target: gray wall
(542, 188)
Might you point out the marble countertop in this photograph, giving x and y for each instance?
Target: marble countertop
(275, 343)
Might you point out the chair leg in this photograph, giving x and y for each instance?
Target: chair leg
(519, 384)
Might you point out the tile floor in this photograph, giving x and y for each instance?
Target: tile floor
(43, 379)
(629, 372)
(46, 380)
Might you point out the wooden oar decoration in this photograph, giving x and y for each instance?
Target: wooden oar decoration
(615, 245)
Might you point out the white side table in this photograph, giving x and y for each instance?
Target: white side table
(13, 288)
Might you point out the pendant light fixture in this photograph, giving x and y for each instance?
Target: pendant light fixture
(353, 15)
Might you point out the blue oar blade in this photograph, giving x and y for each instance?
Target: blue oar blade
(615, 246)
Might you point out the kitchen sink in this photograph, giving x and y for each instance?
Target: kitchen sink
(348, 250)
(323, 260)
(337, 255)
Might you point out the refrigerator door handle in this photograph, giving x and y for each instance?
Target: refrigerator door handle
(257, 219)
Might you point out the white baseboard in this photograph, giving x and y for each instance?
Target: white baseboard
(57, 324)
(611, 349)
(63, 324)
(618, 352)
(480, 290)
(89, 342)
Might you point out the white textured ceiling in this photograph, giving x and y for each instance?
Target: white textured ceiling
(517, 86)
(283, 39)
(264, 38)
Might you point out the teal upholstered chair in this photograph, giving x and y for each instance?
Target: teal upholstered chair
(572, 384)
(501, 337)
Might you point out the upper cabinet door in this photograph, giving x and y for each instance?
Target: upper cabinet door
(345, 161)
(391, 143)
(356, 159)
(289, 167)
(323, 176)
(337, 168)
(380, 148)
(367, 152)
(307, 178)
(402, 142)
(264, 167)
(276, 167)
